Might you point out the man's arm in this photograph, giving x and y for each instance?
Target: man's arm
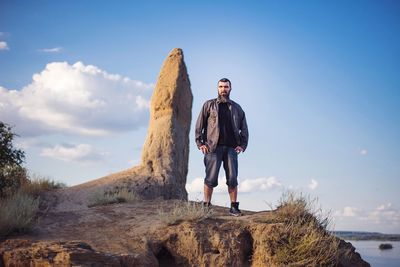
(201, 126)
(244, 133)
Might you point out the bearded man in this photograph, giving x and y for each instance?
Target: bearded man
(221, 134)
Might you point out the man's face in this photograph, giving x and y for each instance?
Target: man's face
(224, 89)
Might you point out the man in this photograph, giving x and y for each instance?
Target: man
(221, 134)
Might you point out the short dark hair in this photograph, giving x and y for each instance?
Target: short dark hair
(224, 80)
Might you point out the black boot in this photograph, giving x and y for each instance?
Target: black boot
(206, 204)
(234, 211)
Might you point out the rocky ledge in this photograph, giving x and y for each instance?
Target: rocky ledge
(136, 235)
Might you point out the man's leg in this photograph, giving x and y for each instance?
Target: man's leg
(207, 193)
(231, 171)
(212, 162)
(230, 159)
(232, 193)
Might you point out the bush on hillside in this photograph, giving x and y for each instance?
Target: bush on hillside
(19, 194)
(17, 213)
(12, 178)
(12, 174)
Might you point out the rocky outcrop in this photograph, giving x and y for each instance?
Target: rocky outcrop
(166, 150)
(164, 167)
(135, 235)
(237, 243)
(72, 253)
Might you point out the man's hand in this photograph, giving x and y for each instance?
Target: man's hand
(239, 149)
(204, 149)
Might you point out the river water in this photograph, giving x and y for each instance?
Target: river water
(371, 253)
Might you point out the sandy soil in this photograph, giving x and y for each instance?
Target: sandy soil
(115, 228)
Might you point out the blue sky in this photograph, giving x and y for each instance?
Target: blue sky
(318, 81)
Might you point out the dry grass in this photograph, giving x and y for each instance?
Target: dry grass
(18, 209)
(17, 213)
(185, 211)
(120, 195)
(304, 239)
(37, 184)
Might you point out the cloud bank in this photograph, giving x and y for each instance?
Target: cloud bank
(77, 153)
(259, 184)
(76, 99)
(383, 214)
(245, 186)
(346, 212)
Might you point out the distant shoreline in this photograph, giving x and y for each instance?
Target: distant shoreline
(356, 236)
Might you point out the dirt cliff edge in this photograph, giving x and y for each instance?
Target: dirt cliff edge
(135, 235)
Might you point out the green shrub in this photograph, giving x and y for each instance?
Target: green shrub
(19, 200)
(12, 177)
(185, 211)
(17, 213)
(119, 195)
(12, 174)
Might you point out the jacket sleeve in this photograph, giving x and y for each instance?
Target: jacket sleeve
(201, 126)
(244, 132)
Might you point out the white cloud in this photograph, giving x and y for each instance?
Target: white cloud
(364, 152)
(313, 184)
(245, 186)
(51, 50)
(346, 212)
(384, 217)
(76, 99)
(384, 213)
(26, 143)
(259, 184)
(384, 206)
(80, 153)
(3, 45)
(195, 186)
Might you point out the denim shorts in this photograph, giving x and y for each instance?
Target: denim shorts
(213, 161)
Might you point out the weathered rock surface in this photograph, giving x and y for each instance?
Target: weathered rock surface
(163, 170)
(166, 150)
(165, 153)
(71, 253)
(134, 235)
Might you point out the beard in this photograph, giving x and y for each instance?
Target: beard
(223, 97)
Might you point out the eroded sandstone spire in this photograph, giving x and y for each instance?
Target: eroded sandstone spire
(163, 170)
(166, 149)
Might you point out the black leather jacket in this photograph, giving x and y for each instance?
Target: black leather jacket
(207, 130)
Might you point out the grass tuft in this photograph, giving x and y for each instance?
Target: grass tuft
(185, 211)
(19, 208)
(304, 239)
(17, 213)
(37, 184)
(120, 195)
